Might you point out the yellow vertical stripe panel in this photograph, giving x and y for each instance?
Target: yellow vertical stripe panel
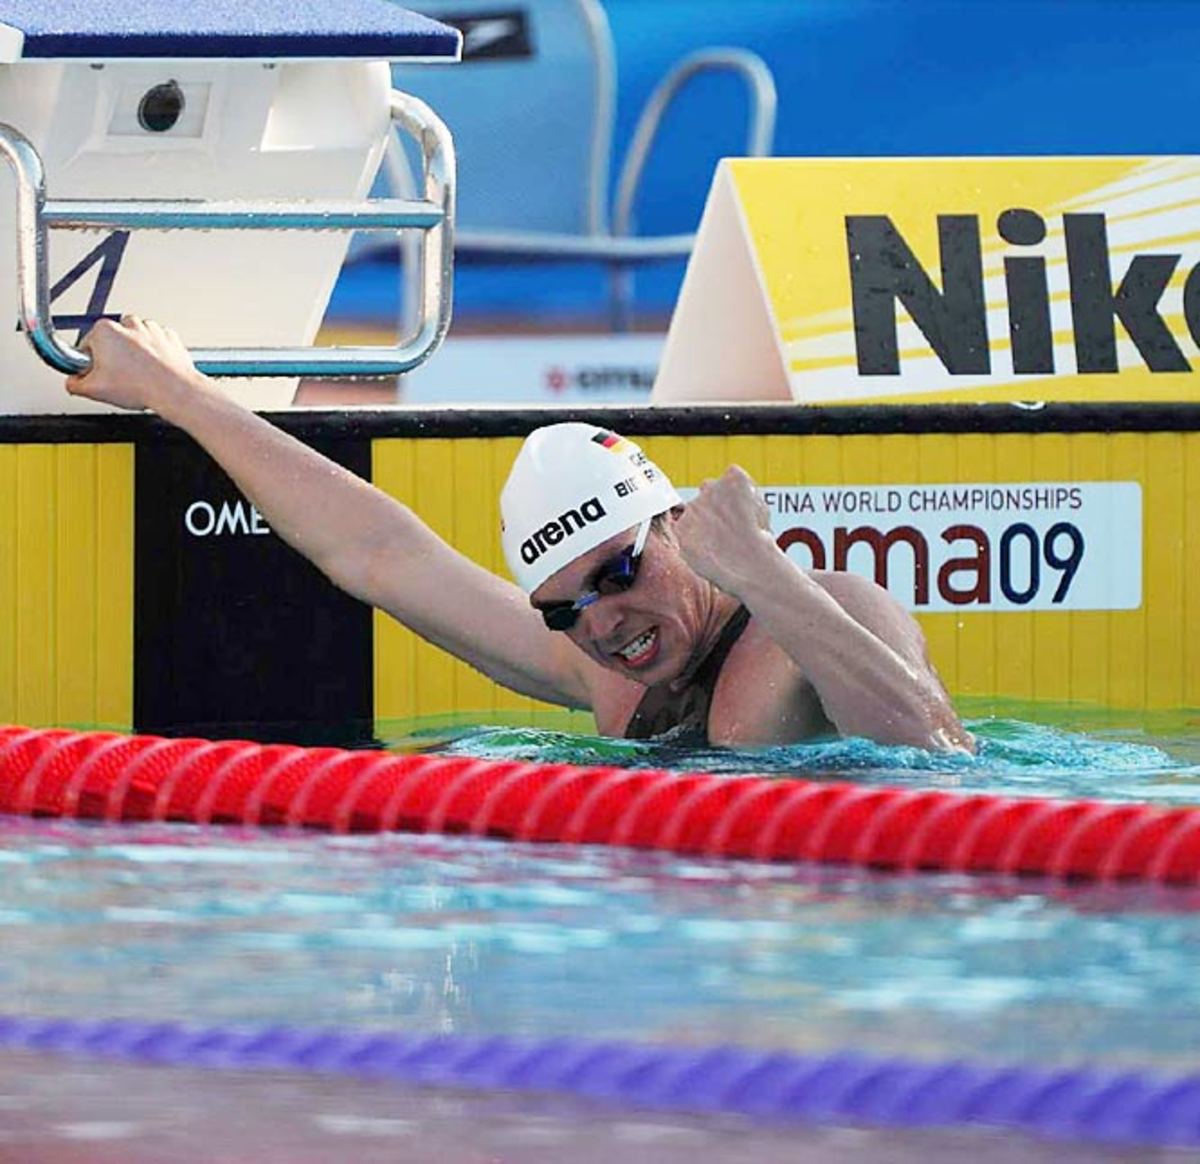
(114, 586)
(1163, 584)
(1052, 637)
(669, 454)
(76, 561)
(35, 585)
(902, 453)
(504, 452)
(937, 464)
(749, 452)
(1097, 657)
(476, 518)
(395, 646)
(1127, 645)
(66, 585)
(8, 584)
(706, 458)
(453, 486)
(1090, 629)
(862, 461)
(433, 499)
(975, 630)
(782, 463)
(1190, 615)
(822, 460)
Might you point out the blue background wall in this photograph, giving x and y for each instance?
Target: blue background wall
(863, 77)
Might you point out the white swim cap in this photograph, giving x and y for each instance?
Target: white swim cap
(572, 487)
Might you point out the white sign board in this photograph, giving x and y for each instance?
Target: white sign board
(1039, 545)
(1023, 546)
(570, 369)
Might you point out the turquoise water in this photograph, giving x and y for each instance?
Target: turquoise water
(476, 937)
(1156, 761)
(479, 937)
(466, 936)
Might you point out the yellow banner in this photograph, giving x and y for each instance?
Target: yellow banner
(966, 279)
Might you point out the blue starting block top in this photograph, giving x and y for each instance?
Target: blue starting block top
(220, 29)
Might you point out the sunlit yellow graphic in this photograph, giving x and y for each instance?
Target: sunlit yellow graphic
(1031, 279)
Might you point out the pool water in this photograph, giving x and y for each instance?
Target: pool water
(75, 1113)
(1156, 759)
(426, 934)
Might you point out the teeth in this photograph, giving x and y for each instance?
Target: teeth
(640, 644)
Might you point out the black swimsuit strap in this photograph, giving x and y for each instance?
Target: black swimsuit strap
(662, 710)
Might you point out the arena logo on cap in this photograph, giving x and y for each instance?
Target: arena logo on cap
(566, 525)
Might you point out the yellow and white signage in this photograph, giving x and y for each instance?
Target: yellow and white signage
(939, 279)
(1033, 545)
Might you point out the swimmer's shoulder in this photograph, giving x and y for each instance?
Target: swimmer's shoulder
(612, 698)
(868, 603)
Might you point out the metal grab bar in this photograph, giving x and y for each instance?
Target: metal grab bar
(760, 130)
(760, 85)
(186, 214)
(433, 215)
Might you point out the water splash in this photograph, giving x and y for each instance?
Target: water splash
(1014, 757)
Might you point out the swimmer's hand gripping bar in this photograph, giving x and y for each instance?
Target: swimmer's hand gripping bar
(433, 214)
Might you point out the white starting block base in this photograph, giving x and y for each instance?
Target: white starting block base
(276, 104)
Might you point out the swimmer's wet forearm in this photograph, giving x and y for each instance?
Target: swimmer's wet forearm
(324, 511)
(330, 515)
(857, 654)
(171, 396)
(372, 546)
(869, 679)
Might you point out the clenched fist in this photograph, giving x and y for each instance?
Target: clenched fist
(725, 529)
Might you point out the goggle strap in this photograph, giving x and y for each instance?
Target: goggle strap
(639, 542)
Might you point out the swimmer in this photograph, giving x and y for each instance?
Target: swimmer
(662, 619)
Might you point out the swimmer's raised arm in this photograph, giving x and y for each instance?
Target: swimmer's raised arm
(861, 651)
(366, 542)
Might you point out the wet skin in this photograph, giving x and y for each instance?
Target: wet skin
(661, 629)
(811, 631)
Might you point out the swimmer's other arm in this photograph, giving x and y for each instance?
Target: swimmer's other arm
(862, 652)
(366, 542)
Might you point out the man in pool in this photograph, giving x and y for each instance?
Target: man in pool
(664, 620)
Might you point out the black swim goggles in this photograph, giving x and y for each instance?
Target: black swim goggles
(615, 576)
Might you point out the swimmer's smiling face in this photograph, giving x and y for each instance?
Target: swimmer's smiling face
(646, 633)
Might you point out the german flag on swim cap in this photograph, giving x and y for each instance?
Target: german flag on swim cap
(573, 486)
(612, 442)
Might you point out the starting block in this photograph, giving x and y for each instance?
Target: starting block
(134, 132)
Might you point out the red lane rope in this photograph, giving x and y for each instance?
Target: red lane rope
(105, 776)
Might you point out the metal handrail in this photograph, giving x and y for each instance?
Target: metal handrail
(433, 215)
(197, 214)
(604, 67)
(763, 102)
(760, 132)
(615, 246)
(553, 246)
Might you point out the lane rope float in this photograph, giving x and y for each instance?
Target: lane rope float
(113, 777)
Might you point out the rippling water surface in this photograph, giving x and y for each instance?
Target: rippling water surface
(431, 934)
(1159, 762)
(442, 934)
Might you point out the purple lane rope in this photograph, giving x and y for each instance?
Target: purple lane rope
(1096, 1105)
